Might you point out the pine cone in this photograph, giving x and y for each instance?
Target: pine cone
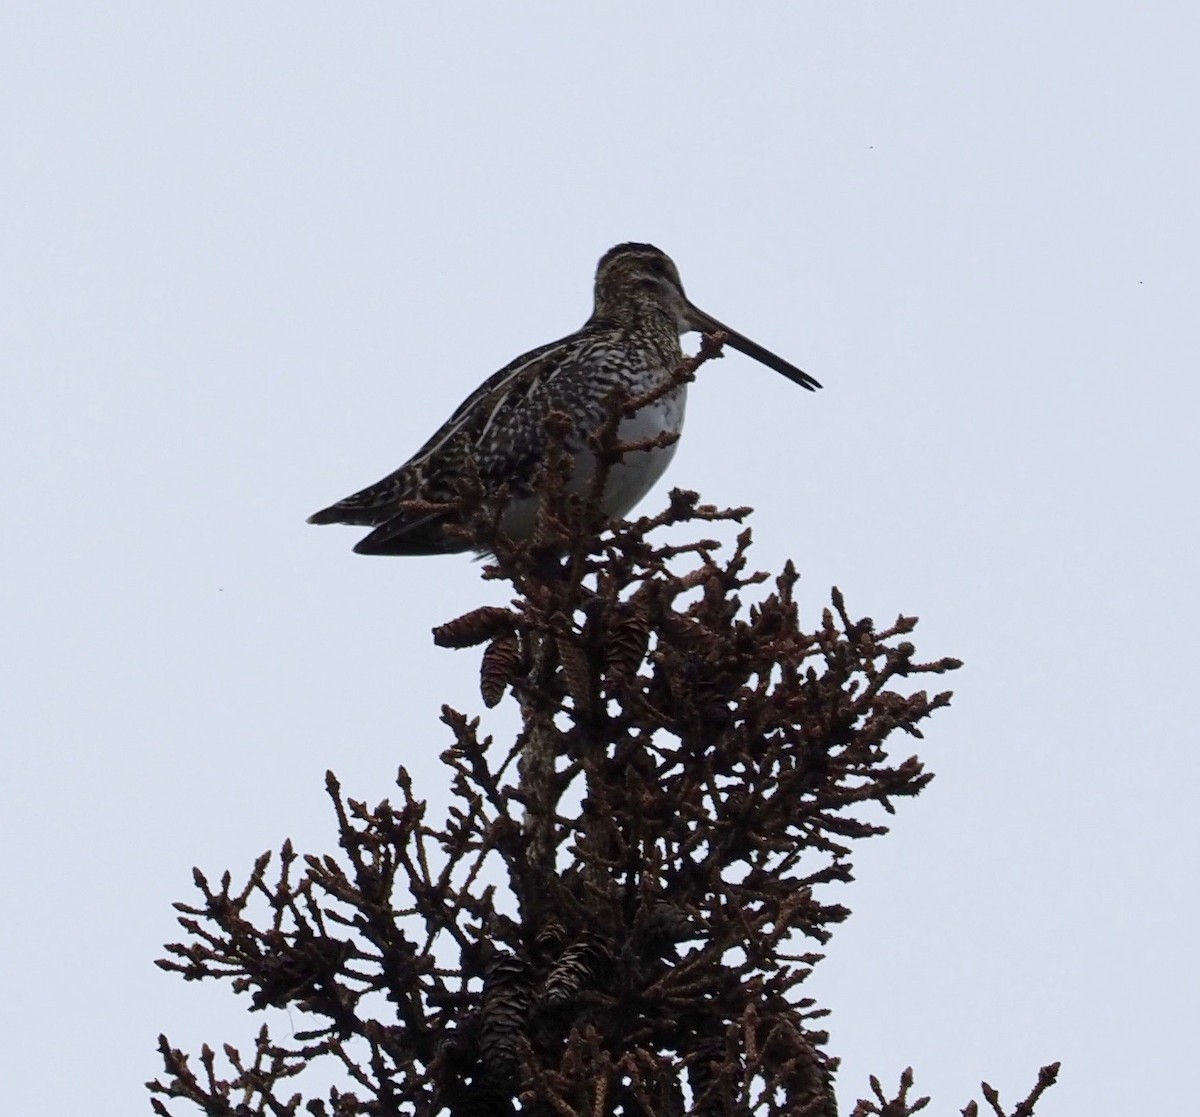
(475, 627)
(501, 664)
(503, 1020)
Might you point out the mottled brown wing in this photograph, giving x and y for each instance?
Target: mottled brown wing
(427, 475)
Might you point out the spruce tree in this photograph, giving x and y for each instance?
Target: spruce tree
(621, 909)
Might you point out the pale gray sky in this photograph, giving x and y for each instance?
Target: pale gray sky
(254, 254)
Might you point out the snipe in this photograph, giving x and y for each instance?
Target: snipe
(630, 342)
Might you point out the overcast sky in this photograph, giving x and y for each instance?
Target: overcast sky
(254, 254)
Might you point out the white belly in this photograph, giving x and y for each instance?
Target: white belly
(636, 474)
(631, 478)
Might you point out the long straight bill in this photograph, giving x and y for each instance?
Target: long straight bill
(706, 323)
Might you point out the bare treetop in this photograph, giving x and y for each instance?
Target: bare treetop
(620, 911)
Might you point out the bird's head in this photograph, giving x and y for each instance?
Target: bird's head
(640, 274)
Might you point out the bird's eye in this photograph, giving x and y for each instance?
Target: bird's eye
(661, 271)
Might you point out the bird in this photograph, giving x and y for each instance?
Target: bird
(499, 432)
